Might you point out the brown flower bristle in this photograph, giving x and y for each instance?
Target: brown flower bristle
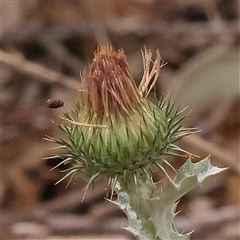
(109, 86)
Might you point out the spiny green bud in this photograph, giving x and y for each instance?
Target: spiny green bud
(116, 129)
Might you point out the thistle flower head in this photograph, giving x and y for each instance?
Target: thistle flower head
(115, 129)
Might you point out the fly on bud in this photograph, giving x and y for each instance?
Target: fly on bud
(115, 129)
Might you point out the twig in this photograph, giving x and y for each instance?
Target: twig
(58, 51)
(72, 223)
(96, 25)
(211, 149)
(63, 203)
(204, 222)
(171, 32)
(20, 64)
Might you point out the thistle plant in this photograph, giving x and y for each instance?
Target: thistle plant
(122, 132)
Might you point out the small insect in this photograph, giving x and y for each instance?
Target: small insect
(50, 103)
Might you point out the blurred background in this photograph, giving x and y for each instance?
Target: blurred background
(44, 46)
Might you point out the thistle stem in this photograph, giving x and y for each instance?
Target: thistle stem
(150, 207)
